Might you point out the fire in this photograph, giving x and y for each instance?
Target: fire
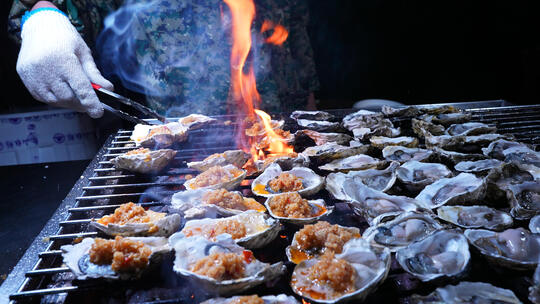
(277, 144)
(280, 33)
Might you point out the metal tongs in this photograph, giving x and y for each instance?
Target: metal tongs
(130, 103)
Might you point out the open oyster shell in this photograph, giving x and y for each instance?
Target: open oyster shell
(524, 199)
(467, 292)
(189, 250)
(500, 178)
(401, 231)
(232, 183)
(500, 148)
(260, 228)
(404, 154)
(456, 157)
(145, 162)
(330, 151)
(321, 138)
(534, 224)
(159, 136)
(371, 264)
(77, 259)
(320, 125)
(312, 182)
(355, 162)
(318, 208)
(447, 118)
(191, 203)
(421, 128)
(196, 121)
(286, 162)
(465, 187)
(231, 157)
(416, 175)
(160, 225)
(275, 124)
(516, 249)
(479, 166)
(462, 143)
(416, 110)
(279, 299)
(470, 128)
(444, 253)
(312, 115)
(405, 141)
(475, 217)
(365, 124)
(380, 180)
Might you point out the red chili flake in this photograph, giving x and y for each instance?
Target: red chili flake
(283, 236)
(248, 256)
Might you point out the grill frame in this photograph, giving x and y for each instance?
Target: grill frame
(21, 282)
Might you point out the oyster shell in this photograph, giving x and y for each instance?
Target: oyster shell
(479, 166)
(497, 149)
(420, 127)
(279, 299)
(260, 229)
(465, 187)
(500, 178)
(401, 231)
(231, 157)
(475, 217)
(381, 141)
(355, 162)
(77, 259)
(323, 138)
(286, 162)
(527, 161)
(159, 136)
(235, 177)
(443, 253)
(144, 161)
(192, 204)
(380, 180)
(318, 210)
(467, 292)
(447, 118)
(524, 199)
(196, 121)
(534, 290)
(312, 115)
(456, 157)
(259, 131)
(311, 182)
(461, 143)
(534, 224)
(330, 151)
(190, 250)
(403, 154)
(365, 124)
(470, 128)
(320, 125)
(416, 175)
(513, 248)
(371, 266)
(416, 110)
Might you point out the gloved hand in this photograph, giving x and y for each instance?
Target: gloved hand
(56, 65)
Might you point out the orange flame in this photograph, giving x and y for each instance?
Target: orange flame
(277, 144)
(279, 35)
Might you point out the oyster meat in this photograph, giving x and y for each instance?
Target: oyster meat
(145, 161)
(324, 138)
(534, 224)
(275, 181)
(320, 125)
(465, 187)
(200, 259)
(467, 292)
(500, 178)
(475, 217)
(516, 249)
(524, 199)
(312, 115)
(292, 208)
(279, 299)
(227, 177)
(403, 154)
(401, 231)
(470, 128)
(479, 166)
(405, 141)
(159, 136)
(196, 121)
(249, 229)
(348, 276)
(231, 157)
(355, 162)
(444, 253)
(330, 151)
(416, 175)
(365, 124)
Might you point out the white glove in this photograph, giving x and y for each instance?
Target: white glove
(56, 65)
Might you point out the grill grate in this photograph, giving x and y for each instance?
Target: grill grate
(103, 188)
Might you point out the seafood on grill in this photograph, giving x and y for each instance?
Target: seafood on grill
(402, 230)
(365, 124)
(254, 299)
(133, 220)
(312, 115)
(447, 118)
(315, 239)
(417, 110)
(479, 166)
(320, 125)
(467, 292)
(275, 181)
(123, 258)
(220, 266)
(382, 141)
(473, 217)
(380, 180)
(216, 177)
(500, 178)
(500, 148)
(144, 160)
(465, 187)
(321, 138)
(517, 249)
(292, 208)
(534, 224)
(524, 199)
(470, 128)
(231, 157)
(527, 161)
(422, 127)
(455, 157)
(255, 127)
(211, 202)
(159, 136)
(249, 229)
(330, 151)
(347, 276)
(403, 154)
(444, 253)
(534, 290)
(285, 161)
(462, 143)
(416, 175)
(196, 121)
(355, 162)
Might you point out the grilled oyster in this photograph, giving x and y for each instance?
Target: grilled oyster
(534, 224)
(132, 220)
(355, 162)
(381, 141)
(444, 253)
(144, 161)
(461, 143)
(403, 154)
(380, 180)
(279, 299)
(149, 251)
(416, 110)
(231, 157)
(467, 292)
(479, 166)
(420, 127)
(159, 136)
(524, 199)
(324, 138)
(255, 127)
(470, 128)
(292, 208)
(196, 258)
(456, 157)
(401, 231)
(348, 276)
(513, 248)
(249, 229)
(500, 178)
(447, 118)
(416, 175)
(314, 240)
(330, 151)
(305, 181)
(286, 162)
(195, 121)
(365, 124)
(312, 115)
(498, 148)
(210, 202)
(475, 217)
(320, 125)
(464, 187)
(527, 161)
(227, 177)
